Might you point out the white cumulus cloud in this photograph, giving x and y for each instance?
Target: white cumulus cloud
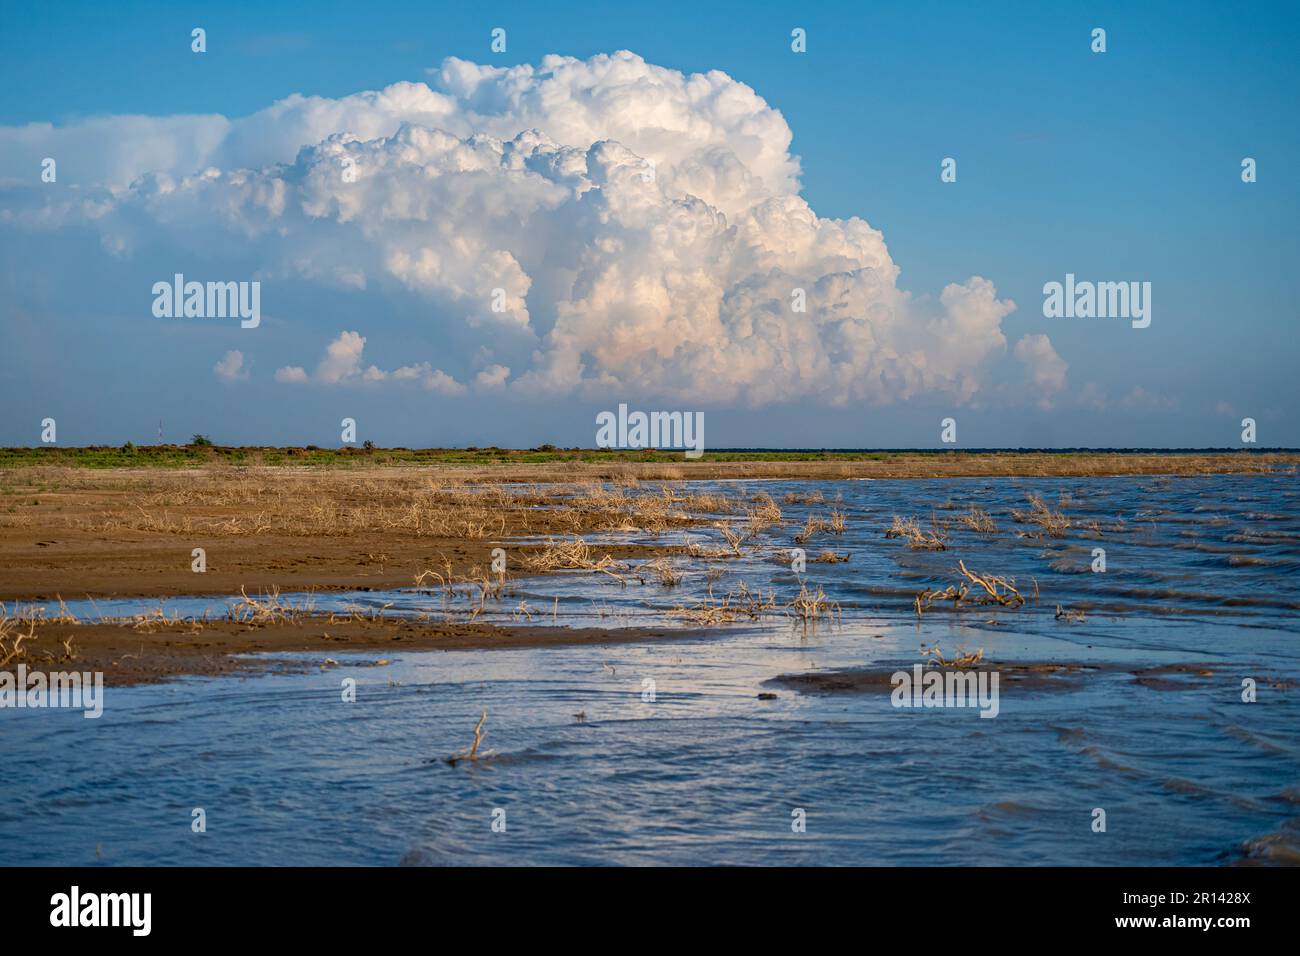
(231, 367)
(492, 377)
(291, 375)
(610, 227)
(342, 365)
(1045, 369)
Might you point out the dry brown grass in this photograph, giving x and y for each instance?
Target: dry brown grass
(662, 571)
(733, 537)
(12, 636)
(964, 658)
(992, 589)
(978, 520)
(268, 486)
(150, 622)
(287, 501)
(762, 514)
(834, 523)
(445, 577)
(575, 555)
(803, 497)
(997, 590)
(706, 503)
(809, 606)
(1051, 523)
(813, 525)
(322, 506)
(738, 604)
(910, 531)
(616, 508)
(18, 632)
(266, 610)
(830, 557)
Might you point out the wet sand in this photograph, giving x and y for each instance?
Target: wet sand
(879, 679)
(154, 652)
(1026, 676)
(72, 564)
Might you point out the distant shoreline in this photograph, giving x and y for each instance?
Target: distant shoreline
(650, 464)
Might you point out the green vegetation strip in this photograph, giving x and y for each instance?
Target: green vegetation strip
(203, 453)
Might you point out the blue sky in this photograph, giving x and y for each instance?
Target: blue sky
(1116, 166)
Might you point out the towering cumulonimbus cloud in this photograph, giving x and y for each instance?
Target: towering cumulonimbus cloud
(622, 227)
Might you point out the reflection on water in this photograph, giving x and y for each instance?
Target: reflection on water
(1198, 570)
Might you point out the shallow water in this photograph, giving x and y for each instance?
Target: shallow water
(1201, 570)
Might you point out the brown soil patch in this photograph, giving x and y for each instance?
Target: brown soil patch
(130, 654)
(81, 533)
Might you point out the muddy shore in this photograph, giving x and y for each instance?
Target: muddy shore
(151, 653)
(82, 532)
(77, 532)
(1021, 675)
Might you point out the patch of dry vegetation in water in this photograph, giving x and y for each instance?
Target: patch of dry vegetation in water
(18, 630)
(575, 555)
(733, 538)
(803, 497)
(834, 523)
(743, 604)
(813, 525)
(662, 571)
(738, 604)
(1051, 523)
(12, 636)
(910, 531)
(762, 514)
(830, 557)
(269, 610)
(978, 520)
(266, 610)
(989, 590)
(809, 606)
(1069, 615)
(964, 658)
(553, 555)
